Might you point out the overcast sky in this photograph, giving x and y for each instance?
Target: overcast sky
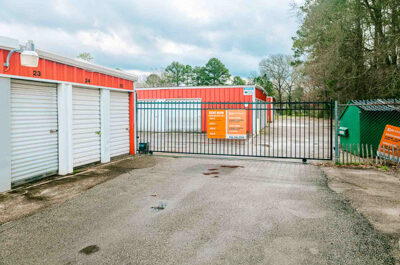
(147, 35)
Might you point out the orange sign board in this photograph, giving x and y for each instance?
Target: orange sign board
(390, 140)
(236, 124)
(226, 124)
(216, 124)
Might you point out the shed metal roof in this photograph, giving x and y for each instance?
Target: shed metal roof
(377, 104)
(374, 105)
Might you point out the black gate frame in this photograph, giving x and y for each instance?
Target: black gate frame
(300, 117)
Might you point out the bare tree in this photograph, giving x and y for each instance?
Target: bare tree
(293, 81)
(279, 69)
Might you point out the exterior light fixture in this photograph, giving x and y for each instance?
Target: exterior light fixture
(29, 57)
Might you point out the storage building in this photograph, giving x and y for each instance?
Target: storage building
(198, 99)
(60, 115)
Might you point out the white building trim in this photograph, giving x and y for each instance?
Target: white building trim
(65, 158)
(197, 87)
(5, 134)
(62, 82)
(9, 44)
(165, 99)
(135, 115)
(105, 125)
(85, 65)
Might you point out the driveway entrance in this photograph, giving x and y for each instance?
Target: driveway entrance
(199, 211)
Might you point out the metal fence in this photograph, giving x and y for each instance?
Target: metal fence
(297, 130)
(367, 132)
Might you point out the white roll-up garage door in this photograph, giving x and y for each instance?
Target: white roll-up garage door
(85, 125)
(119, 123)
(168, 115)
(183, 117)
(152, 116)
(34, 127)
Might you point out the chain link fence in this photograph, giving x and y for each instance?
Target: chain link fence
(368, 132)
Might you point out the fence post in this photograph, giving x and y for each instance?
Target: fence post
(336, 133)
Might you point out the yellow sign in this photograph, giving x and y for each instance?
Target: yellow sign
(390, 140)
(216, 124)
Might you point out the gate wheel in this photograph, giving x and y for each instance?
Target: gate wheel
(304, 160)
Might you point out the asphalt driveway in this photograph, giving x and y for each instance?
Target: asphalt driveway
(200, 211)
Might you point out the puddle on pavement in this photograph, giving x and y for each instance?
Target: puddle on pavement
(89, 250)
(230, 166)
(161, 206)
(210, 173)
(226, 169)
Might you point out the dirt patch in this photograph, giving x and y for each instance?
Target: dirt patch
(374, 194)
(28, 199)
(392, 169)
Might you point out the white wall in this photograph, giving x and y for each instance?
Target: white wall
(5, 134)
(260, 115)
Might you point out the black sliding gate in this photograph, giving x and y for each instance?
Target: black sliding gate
(297, 130)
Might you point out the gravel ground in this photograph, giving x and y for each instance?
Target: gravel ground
(200, 211)
(373, 193)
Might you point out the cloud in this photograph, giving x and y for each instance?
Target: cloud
(196, 10)
(148, 35)
(170, 47)
(112, 42)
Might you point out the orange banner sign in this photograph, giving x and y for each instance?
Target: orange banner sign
(216, 124)
(236, 124)
(390, 140)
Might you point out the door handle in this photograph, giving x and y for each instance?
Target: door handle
(53, 131)
(98, 132)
